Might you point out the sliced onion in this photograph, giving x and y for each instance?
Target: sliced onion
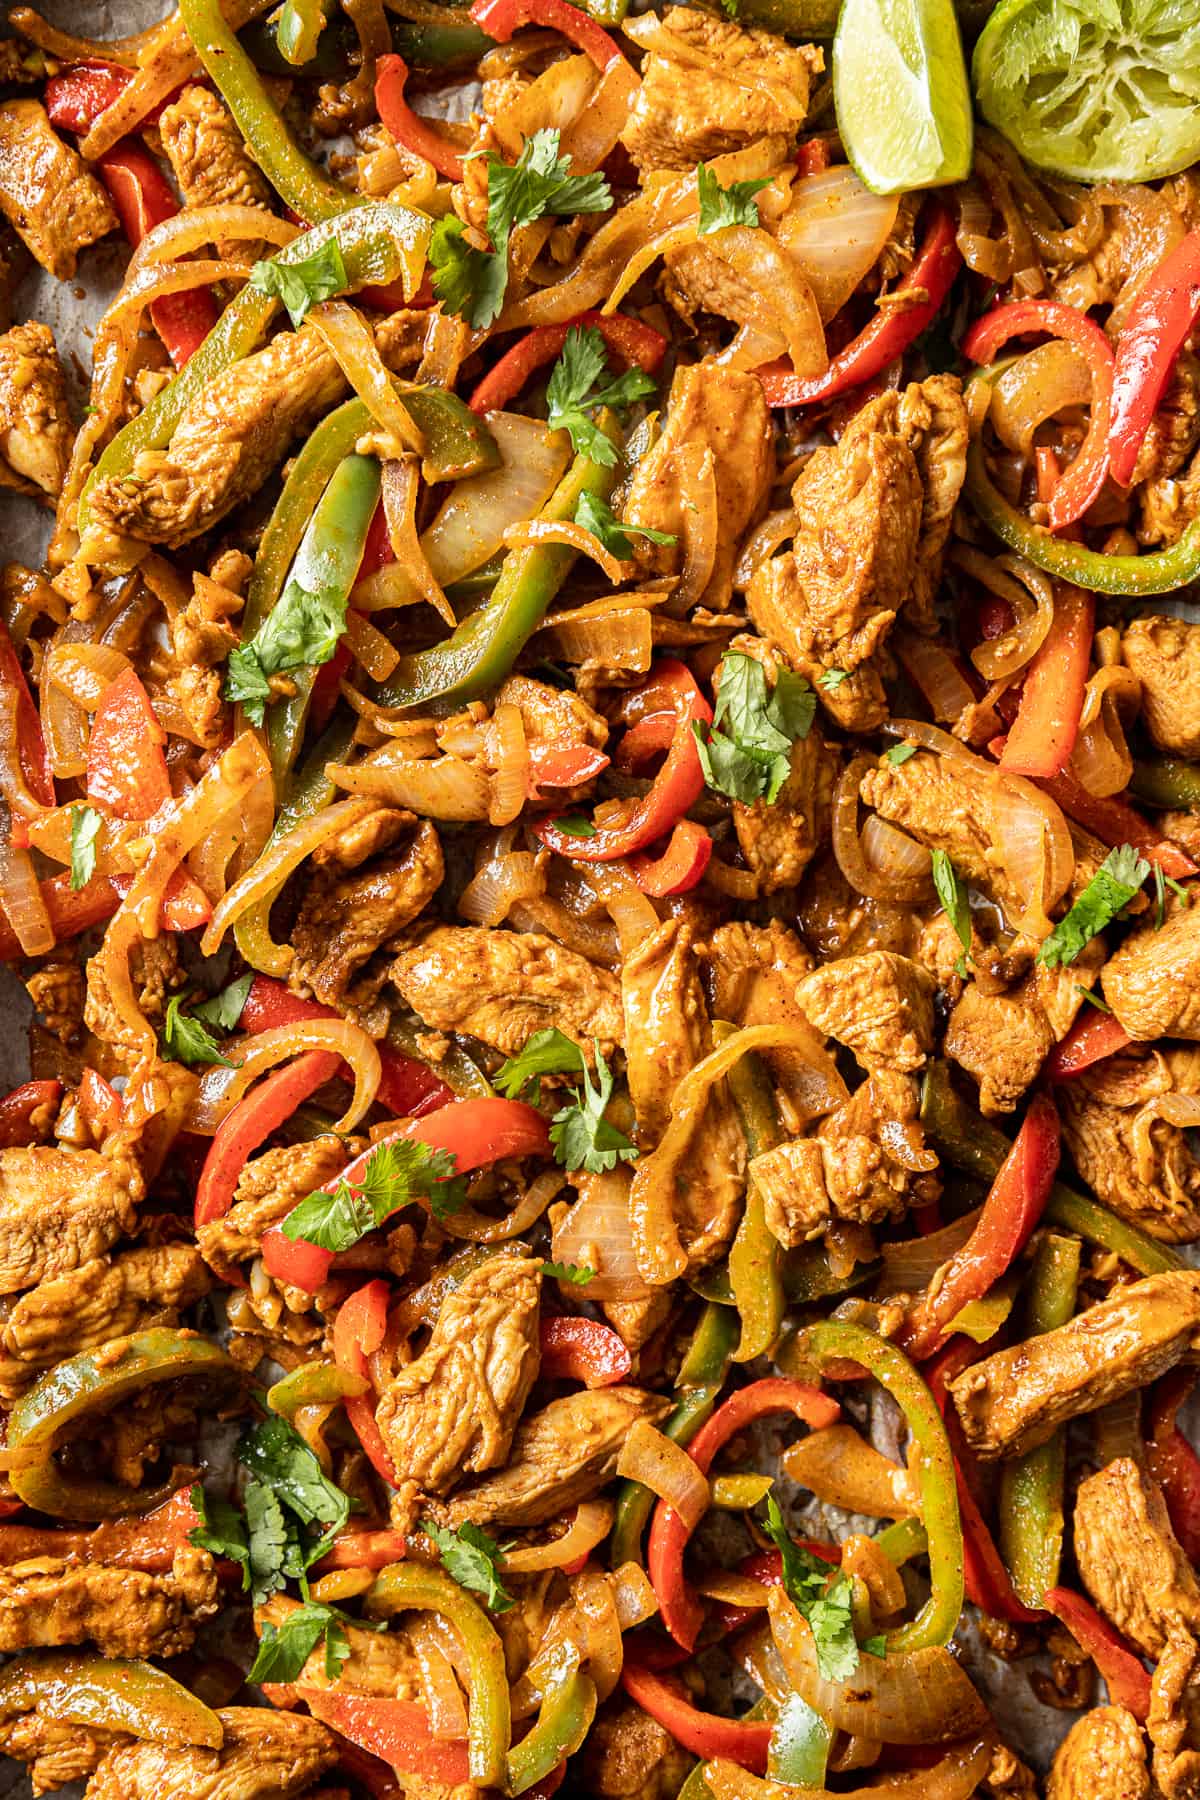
(1181, 1110)
(595, 1234)
(841, 1468)
(510, 782)
(597, 1608)
(762, 542)
(956, 1777)
(695, 476)
(593, 134)
(835, 228)
(83, 671)
(666, 1469)
(892, 854)
(368, 646)
(935, 672)
(227, 222)
(1035, 388)
(612, 640)
(447, 1709)
(351, 341)
(442, 787)
(277, 863)
(20, 895)
(477, 1228)
(909, 1267)
(1030, 594)
(914, 1697)
(633, 1594)
(400, 483)
(221, 1088)
(590, 1526)
(673, 238)
(891, 875)
(1101, 760)
(71, 48)
(576, 537)
(865, 1561)
(781, 301)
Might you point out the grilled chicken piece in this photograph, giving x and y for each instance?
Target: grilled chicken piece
(630, 1756)
(267, 1189)
(58, 1210)
(708, 86)
(105, 1298)
(560, 1456)
(778, 839)
(47, 192)
(1152, 981)
(502, 986)
(35, 421)
(454, 1410)
(124, 1612)
(267, 1755)
(1167, 506)
(344, 920)
(718, 416)
(1139, 1165)
(54, 1752)
(1001, 1041)
(202, 635)
(1164, 654)
(1012, 1401)
(1102, 1757)
(931, 417)
(209, 159)
(552, 717)
(1130, 1560)
(383, 1663)
(1174, 430)
(879, 1005)
(234, 433)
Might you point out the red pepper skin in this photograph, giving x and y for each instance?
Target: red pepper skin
(704, 1734)
(1012, 1209)
(636, 342)
(358, 1331)
(264, 1109)
(1150, 340)
(681, 865)
(813, 157)
(1128, 1682)
(677, 786)
(583, 1350)
(765, 1566)
(564, 768)
(1172, 1460)
(294, 1260)
(100, 1104)
(500, 18)
(396, 1731)
(36, 766)
(407, 1088)
(682, 1613)
(1093, 1037)
(1077, 489)
(890, 331)
(364, 1550)
(76, 98)
(22, 1110)
(142, 198)
(405, 126)
(1042, 735)
(149, 1543)
(646, 737)
(185, 905)
(126, 769)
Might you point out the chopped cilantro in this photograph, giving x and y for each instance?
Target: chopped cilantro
(188, 1040)
(1092, 998)
(952, 892)
(224, 1010)
(833, 678)
(548, 1052)
(821, 1595)
(277, 1456)
(284, 1650)
(572, 395)
(597, 516)
(575, 826)
(750, 759)
(221, 1531)
(86, 825)
(582, 1137)
(899, 753)
(394, 1173)
(1111, 888)
(577, 1274)
(302, 628)
(719, 206)
(472, 1558)
(302, 284)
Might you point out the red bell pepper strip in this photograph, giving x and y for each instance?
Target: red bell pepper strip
(1172, 1460)
(681, 865)
(1077, 489)
(682, 1612)
(25, 1110)
(185, 905)
(368, 1771)
(583, 1350)
(741, 1741)
(397, 1731)
(142, 198)
(407, 127)
(500, 18)
(1042, 736)
(36, 766)
(1093, 1037)
(251, 1122)
(126, 769)
(1151, 338)
(100, 1104)
(294, 1261)
(76, 98)
(1012, 1209)
(148, 1543)
(408, 1088)
(1128, 1682)
(677, 786)
(636, 342)
(565, 767)
(646, 737)
(890, 332)
(364, 1550)
(358, 1331)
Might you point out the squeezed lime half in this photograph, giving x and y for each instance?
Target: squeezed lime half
(900, 88)
(1096, 90)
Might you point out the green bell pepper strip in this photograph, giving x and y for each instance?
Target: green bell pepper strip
(937, 1619)
(407, 1587)
(74, 1687)
(326, 564)
(798, 1753)
(96, 1381)
(458, 442)
(903, 1540)
(738, 1493)
(1031, 1486)
(963, 1137)
(482, 650)
(806, 1274)
(1160, 572)
(380, 243)
(456, 1068)
(792, 18)
(1165, 782)
(440, 46)
(330, 60)
(297, 180)
(563, 1722)
(299, 31)
(313, 1384)
(699, 1382)
(755, 1255)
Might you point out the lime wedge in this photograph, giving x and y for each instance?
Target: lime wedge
(900, 88)
(1096, 90)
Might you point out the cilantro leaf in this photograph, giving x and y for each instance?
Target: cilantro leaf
(284, 1649)
(302, 284)
(301, 629)
(575, 826)
(277, 1456)
(221, 1530)
(224, 1010)
(875, 1646)
(833, 678)
(734, 205)
(472, 1558)
(394, 1173)
(821, 1595)
(275, 1551)
(1093, 998)
(750, 760)
(1112, 887)
(582, 1137)
(189, 1041)
(572, 395)
(899, 753)
(597, 516)
(952, 892)
(548, 1052)
(467, 281)
(578, 1274)
(86, 825)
